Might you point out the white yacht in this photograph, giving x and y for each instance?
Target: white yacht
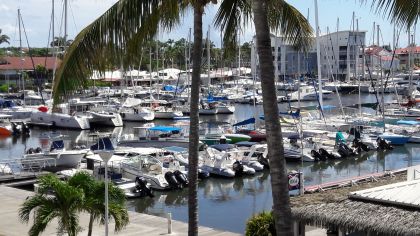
(103, 118)
(308, 93)
(63, 158)
(162, 109)
(131, 110)
(60, 120)
(152, 170)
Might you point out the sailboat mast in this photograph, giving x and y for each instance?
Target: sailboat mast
(239, 53)
(318, 55)
(21, 56)
(208, 54)
(65, 22)
(357, 66)
(189, 64)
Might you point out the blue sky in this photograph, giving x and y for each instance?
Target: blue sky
(36, 16)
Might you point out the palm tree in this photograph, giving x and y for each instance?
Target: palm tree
(55, 199)
(94, 196)
(126, 25)
(401, 12)
(120, 31)
(4, 38)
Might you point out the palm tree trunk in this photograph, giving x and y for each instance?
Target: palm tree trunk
(194, 138)
(280, 192)
(90, 225)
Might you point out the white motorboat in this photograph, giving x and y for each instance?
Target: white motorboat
(8, 107)
(228, 154)
(137, 114)
(308, 93)
(64, 159)
(49, 118)
(224, 108)
(132, 111)
(104, 118)
(167, 113)
(152, 170)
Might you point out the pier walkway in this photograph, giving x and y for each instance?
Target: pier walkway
(140, 224)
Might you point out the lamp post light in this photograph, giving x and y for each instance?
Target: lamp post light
(106, 156)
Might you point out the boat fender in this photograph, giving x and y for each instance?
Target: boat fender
(122, 114)
(171, 179)
(182, 179)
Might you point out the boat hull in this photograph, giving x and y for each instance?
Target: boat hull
(60, 120)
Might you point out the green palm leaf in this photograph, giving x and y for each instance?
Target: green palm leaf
(402, 12)
(114, 38)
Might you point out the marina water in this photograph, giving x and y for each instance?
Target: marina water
(228, 203)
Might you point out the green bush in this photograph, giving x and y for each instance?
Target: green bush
(3, 88)
(261, 225)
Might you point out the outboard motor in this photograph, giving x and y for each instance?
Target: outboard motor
(38, 150)
(238, 167)
(383, 144)
(30, 151)
(25, 129)
(325, 154)
(171, 179)
(360, 145)
(344, 150)
(15, 129)
(142, 188)
(317, 156)
(181, 178)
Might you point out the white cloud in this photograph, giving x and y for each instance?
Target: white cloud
(4, 8)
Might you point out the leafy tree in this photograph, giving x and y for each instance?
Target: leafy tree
(94, 195)
(4, 38)
(64, 200)
(55, 200)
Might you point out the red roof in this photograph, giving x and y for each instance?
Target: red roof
(407, 50)
(16, 63)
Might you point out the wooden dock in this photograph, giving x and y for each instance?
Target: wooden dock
(140, 224)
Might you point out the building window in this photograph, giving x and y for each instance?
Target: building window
(272, 49)
(274, 58)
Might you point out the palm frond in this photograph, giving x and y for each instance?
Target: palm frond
(285, 19)
(120, 215)
(402, 12)
(43, 216)
(230, 17)
(115, 38)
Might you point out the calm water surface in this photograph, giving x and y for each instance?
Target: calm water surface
(228, 203)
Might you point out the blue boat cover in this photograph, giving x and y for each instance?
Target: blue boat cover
(407, 122)
(103, 144)
(165, 128)
(57, 145)
(245, 144)
(222, 147)
(6, 104)
(245, 122)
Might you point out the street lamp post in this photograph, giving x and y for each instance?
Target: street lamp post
(106, 156)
